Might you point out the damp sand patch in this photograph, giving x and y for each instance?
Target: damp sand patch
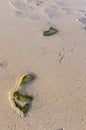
(20, 101)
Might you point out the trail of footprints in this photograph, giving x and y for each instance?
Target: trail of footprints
(20, 100)
(22, 8)
(18, 97)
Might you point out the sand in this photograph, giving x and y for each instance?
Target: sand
(59, 61)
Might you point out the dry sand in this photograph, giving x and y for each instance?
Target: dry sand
(58, 61)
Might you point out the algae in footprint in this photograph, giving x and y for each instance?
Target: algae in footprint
(50, 31)
(23, 101)
(26, 79)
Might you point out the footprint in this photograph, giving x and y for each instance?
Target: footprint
(61, 3)
(50, 31)
(61, 57)
(20, 101)
(19, 8)
(18, 4)
(20, 13)
(34, 2)
(51, 11)
(82, 20)
(81, 10)
(23, 8)
(39, 2)
(25, 5)
(67, 10)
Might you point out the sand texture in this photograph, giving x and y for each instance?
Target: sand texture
(59, 62)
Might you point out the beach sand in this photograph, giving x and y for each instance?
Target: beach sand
(59, 62)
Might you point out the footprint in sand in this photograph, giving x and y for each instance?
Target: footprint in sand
(18, 4)
(51, 11)
(19, 8)
(61, 3)
(34, 2)
(22, 8)
(82, 11)
(20, 14)
(83, 21)
(19, 99)
(67, 10)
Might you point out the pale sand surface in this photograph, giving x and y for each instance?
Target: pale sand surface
(58, 61)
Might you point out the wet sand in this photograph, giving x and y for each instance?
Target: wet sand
(59, 61)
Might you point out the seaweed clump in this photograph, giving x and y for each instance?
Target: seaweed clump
(50, 32)
(22, 102)
(26, 79)
(21, 97)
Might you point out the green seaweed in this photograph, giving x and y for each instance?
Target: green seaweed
(20, 97)
(23, 101)
(23, 108)
(50, 32)
(26, 79)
